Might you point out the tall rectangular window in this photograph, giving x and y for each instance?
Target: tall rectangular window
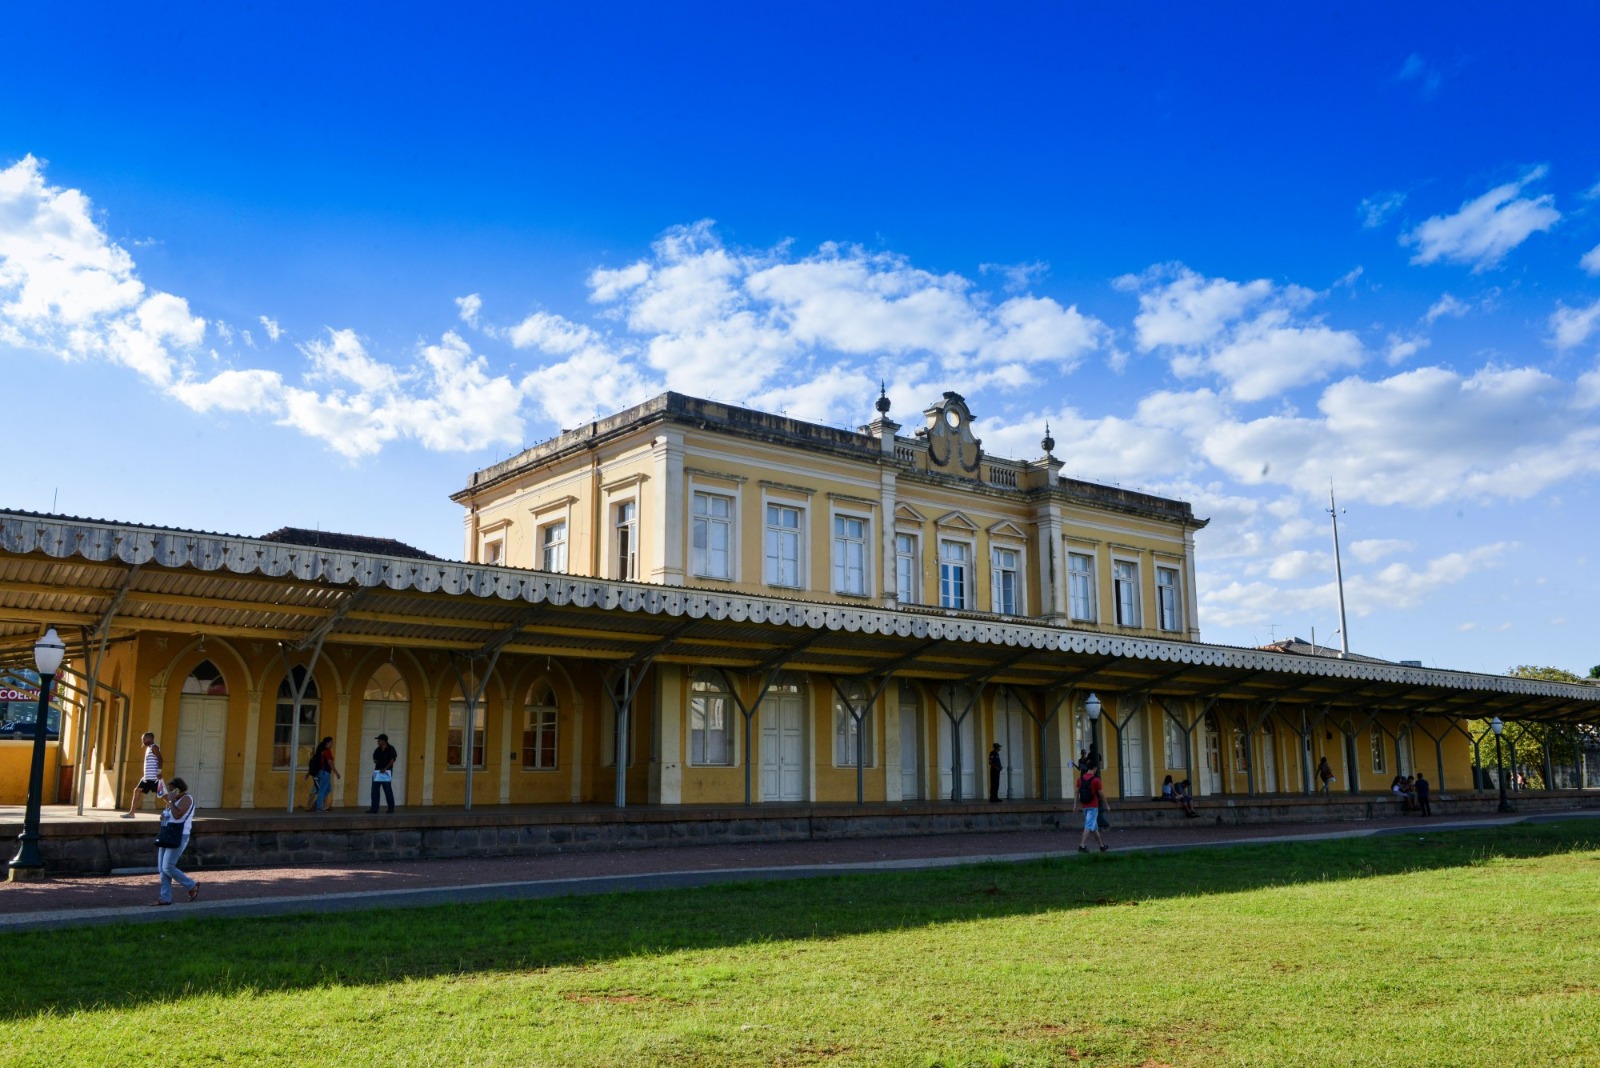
(710, 721)
(954, 562)
(711, 533)
(1080, 587)
(1177, 745)
(849, 554)
(1125, 590)
(1379, 761)
(625, 522)
(1006, 564)
(907, 569)
(553, 547)
(1167, 598)
(847, 730)
(783, 546)
(455, 738)
(539, 734)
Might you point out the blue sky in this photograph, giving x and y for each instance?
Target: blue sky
(294, 265)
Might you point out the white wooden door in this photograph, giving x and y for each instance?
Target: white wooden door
(394, 719)
(969, 755)
(1269, 759)
(1211, 773)
(1018, 760)
(1133, 754)
(202, 731)
(783, 749)
(910, 747)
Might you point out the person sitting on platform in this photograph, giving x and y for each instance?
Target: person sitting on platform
(1186, 798)
(1398, 788)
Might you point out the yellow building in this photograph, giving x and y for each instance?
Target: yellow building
(730, 607)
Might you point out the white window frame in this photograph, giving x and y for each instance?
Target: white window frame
(705, 689)
(1018, 604)
(1380, 761)
(1177, 741)
(625, 539)
(968, 545)
(493, 552)
(537, 720)
(702, 524)
(1089, 610)
(553, 552)
(1169, 599)
(456, 724)
(842, 546)
(844, 732)
(1125, 593)
(908, 567)
(770, 574)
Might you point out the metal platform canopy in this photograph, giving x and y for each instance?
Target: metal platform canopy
(68, 572)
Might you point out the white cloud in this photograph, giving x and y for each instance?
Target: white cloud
(68, 290)
(1416, 69)
(1017, 276)
(1485, 229)
(1570, 327)
(469, 307)
(1446, 305)
(1591, 260)
(1379, 208)
(1252, 336)
(1370, 550)
(1403, 348)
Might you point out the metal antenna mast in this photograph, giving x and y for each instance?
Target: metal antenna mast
(1338, 573)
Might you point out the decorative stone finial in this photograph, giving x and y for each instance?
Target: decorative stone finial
(1049, 443)
(883, 399)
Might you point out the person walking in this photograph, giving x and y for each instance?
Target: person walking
(151, 782)
(322, 764)
(1423, 792)
(995, 767)
(383, 759)
(177, 821)
(1093, 800)
(1324, 779)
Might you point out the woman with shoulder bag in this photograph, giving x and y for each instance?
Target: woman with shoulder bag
(176, 823)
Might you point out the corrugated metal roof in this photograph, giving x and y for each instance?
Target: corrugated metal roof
(68, 572)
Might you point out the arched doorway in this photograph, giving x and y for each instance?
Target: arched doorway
(386, 709)
(783, 741)
(202, 733)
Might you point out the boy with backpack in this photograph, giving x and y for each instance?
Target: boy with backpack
(1093, 800)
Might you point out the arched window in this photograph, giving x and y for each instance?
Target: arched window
(710, 720)
(206, 680)
(292, 740)
(386, 684)
(539, 718)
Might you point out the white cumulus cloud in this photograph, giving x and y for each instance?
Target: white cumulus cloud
(1485, 229)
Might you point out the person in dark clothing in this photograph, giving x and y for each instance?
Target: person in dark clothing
(1423, 793)
(995, 767)
(383, 759)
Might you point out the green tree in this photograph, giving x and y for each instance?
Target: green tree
(1525, 742)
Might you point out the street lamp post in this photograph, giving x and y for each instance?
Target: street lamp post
(1092, 706)
(27, 865)
(1499, 764)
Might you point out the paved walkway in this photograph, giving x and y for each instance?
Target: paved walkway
(127, 897)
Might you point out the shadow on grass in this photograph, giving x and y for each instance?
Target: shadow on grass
(122, 967)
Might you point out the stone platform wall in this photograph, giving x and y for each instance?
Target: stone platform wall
(251, 838)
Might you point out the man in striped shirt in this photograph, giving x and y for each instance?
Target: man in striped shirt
(152, 775)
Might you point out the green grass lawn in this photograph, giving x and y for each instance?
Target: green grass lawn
(1459, 948)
